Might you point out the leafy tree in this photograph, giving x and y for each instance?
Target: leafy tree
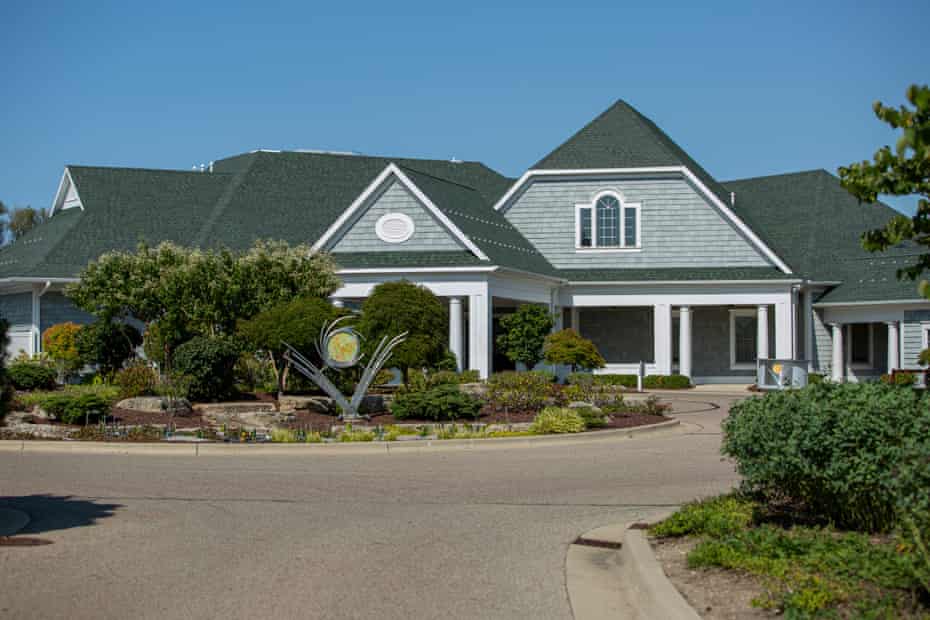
(904, 171)
(187, 292)
(60, 343)
(296, 322)
(206, 363)
(524, 333)
(568, 347)
(108, 344)
(396, 307)
(24, 219)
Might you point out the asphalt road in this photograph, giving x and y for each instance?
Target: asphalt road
(453, 533)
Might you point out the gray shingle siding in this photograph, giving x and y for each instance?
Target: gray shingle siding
(679, 227)
(823, 345)
(56, 308)
(912, 337)
(429, 235)
(17, 310)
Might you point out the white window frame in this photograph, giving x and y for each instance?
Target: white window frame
(849, 346)
(735, 312)
(592, 206)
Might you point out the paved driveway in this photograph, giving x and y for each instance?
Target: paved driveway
(456, 533)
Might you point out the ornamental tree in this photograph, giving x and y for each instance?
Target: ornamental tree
(569, 348)
(108, 344)
(524, 333)
(904, 171)
(60, 344)
(397, 307)
(296, 322)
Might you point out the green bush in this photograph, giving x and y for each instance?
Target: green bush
(77, 408)
(902, 379)
(136, 380)
(813, 378)
(568, 347)
(718, 516)
(593, 417)
(831, 448)
(107, 345)
(443, 402)
(208, 363)
(557, 420)
(910, 485)
(523, 334)
(627, 381)
(591, 391)
(666, 382)
(519, 391)
(29, 376)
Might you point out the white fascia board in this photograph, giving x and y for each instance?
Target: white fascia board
(16, 280)
(393, 170)
(683, 170)
(63, 185)
(673, 282)
(889, 302)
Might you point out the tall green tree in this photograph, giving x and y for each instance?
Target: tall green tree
(902, 171)
(524, 333)
(397, 307)
(180, 292)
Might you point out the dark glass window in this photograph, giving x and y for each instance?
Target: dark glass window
(859, 347)
(746, 335)
(585, 216)
(608, 222)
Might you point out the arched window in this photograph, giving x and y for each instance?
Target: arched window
(607, 223)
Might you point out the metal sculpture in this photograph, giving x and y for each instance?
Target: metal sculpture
(340, 347)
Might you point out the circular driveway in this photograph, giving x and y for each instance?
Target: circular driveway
(457, 533)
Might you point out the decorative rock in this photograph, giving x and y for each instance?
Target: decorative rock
(577, 404)
(317, 404)
(235, 408)
(155, 404)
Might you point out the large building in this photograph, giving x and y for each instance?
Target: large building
(618, 230)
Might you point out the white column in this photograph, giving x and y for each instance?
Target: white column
(893, 340)
(807, 308)
(762, 331)
(662, 335)
(684, 341)
(456, 337)
(784, 329)
(837, 373)
(479, 334)
(36, 319)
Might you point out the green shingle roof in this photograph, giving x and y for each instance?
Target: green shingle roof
(673, 274)
(815, 225)
(397, 260)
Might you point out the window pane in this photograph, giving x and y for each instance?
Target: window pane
(859, 335)
(629, 227)
(745, 328)
(585, 215)
(608, 222)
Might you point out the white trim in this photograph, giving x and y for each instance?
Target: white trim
(369, 191)
(403, 270)
(62, 192)
(622, 205)
(735, 312)
(673, 282)
(849, 347)
(924, 336)
(17, 279)
(887, 302)
(683, 170)
(409, 227)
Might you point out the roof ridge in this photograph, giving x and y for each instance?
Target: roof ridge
(437, 178)
(577, 133)
(138, 169)
(779, 174)
(222, 202)
(650, 126)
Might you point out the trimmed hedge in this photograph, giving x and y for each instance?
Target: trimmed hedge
(650, 382)
(28, 376)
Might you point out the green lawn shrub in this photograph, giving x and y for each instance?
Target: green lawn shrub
(136, 380)
(208, 364)
(79, 408)
(443, 402)
(30, 376)
(558, 420)
(830, 448)
(593, 417)
(519, 391)
(718, 516)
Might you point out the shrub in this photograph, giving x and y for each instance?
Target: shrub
(828, 447)
(450, 376)
(910, 484)
(627, 381)
(569, 348)
(718, 516)
(107, 344)
(77, 408)
(902, 379)
(524, 333)
(31, 376)
(594, 392)
(208, 363)
(593, 417)
(519, 391)
(136, 380)
(557, 420)
(813, 378)
(443, 402)
(59, 342)
(666, 382)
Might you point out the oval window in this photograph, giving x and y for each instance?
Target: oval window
(394, 227)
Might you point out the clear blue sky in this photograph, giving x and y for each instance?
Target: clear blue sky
(747, 89)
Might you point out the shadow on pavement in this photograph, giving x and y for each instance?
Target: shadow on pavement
(48, 513)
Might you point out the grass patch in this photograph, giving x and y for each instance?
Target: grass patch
(807, 572)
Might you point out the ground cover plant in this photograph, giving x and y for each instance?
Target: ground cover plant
(558, 420)
(442, 402)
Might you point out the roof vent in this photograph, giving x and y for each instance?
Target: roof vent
(732, 199)
(455, 160)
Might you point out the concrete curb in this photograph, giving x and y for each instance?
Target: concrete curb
(432, 445)
(628, 582)
(12, 521)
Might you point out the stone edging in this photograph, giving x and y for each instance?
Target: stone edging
(605, 582)
(219, 449)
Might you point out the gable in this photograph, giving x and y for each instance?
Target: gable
(380, 226)
(679, 226)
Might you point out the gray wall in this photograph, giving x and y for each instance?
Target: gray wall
(622, 335)
(429, 235)
(823, 345)
(912, 337)
(17, 310)
(679, 227)
(56, 308)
